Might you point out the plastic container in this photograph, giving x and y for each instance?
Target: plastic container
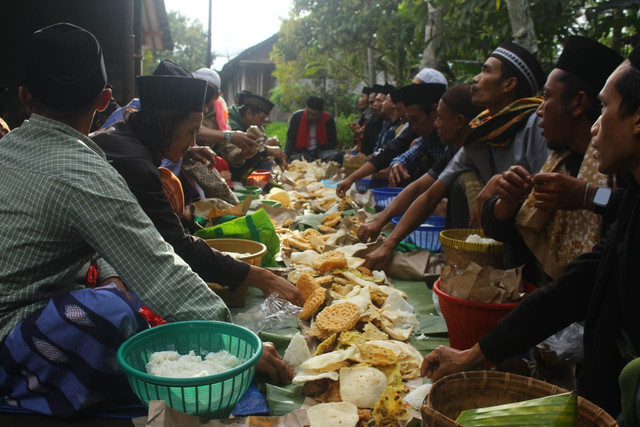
(466, 320)
(362, 185)
(427, 235)
(383, 196)
(212, 396)
(258, 178)
(254, 190)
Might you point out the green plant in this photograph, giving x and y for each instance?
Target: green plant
(278, 129)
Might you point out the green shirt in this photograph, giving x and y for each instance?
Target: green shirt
(60, 204)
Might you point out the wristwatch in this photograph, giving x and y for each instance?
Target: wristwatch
(227, 136)
(601, 199)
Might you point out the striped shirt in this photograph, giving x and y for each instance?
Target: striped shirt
(60, 204)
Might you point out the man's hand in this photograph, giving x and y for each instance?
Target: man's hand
(270, 283)
(245, 142)
(277, 153)
(203, 155)
(446, 360)
(369, 231)
(515, 184)
(378, 259)
(272, 365)
(487, 192)
(344, 186)
(559, 191)
(356, 128)
(397, 174)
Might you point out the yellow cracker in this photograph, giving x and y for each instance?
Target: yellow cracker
(338, 317)
(332, 219)
(315, 331)
(326, 229)
(326, 345)
(313, 303)
(370, 333)
(378, 297)
(350, 337)
(324, 280)
(306, 285)
(329, 261)
(376, 356)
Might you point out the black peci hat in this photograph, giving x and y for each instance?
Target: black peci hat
(315, 103)
(367, 90)
(171, 93)
(258, 102)
(523, 63)
(167, 67)
(64, 67)
(578, 56)
(423, 93)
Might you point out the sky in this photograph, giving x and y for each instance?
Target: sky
(237, 24)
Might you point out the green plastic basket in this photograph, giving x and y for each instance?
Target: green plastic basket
(213, 396)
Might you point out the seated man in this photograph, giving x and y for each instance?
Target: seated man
(365, 114)
(553, 219)
(253, 112)
(64, 205)
(506, 133)
(312, 134)
(391, 123)
(455, 110)
(599, 288)
(399, 145)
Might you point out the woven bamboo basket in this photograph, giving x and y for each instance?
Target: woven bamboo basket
(459, 253)
(455, 393)
(255, 251)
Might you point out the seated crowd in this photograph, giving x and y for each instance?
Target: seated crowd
(553, 176)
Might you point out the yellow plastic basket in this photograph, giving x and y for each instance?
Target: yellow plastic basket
(459, 253)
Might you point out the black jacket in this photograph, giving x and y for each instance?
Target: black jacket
(137, 165)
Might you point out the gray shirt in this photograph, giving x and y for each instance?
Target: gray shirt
(527, 149)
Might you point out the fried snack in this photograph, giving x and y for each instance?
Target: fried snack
(326, 345)
(390, 408)
(364, 416)
(362, 386)
(330, 394)
(350, 337)
(332, 219)
(372, 315)
(316, 332)
(324, 280)
(306, 285)
(378, 297)
(329, 261)
(370, 333)
(326, 229)
(313, 303)
(299, 243)
(376, 356)
(364, 270)
(338, 317)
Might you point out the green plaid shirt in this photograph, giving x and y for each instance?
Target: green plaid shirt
(60, 204)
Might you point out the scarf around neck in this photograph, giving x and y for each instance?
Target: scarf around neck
(302, 139)
(557, 237)
(499, 130)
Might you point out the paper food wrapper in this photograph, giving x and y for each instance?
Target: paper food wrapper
(160, 415)
(216, 208)
(483, 284)
(416, 265)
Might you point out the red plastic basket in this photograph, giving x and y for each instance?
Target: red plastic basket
(259, 178)
(466, 320)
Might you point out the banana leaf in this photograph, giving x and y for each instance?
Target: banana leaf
(555, 410)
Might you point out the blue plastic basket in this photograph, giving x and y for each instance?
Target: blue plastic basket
(212, 396)
(383, 196)
(362, 185)
(426, 236)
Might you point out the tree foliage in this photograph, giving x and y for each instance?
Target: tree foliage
(189, 49)
(325, 45)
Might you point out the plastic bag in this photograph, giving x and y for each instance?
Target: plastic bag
(568, 343)
(273, 314)
(256, 226)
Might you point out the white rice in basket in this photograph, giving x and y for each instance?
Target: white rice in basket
(171, 364)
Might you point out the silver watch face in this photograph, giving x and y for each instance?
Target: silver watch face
(601, 196)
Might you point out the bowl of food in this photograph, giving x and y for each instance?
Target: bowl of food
(227, 356)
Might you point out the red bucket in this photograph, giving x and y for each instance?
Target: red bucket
(466, 320)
